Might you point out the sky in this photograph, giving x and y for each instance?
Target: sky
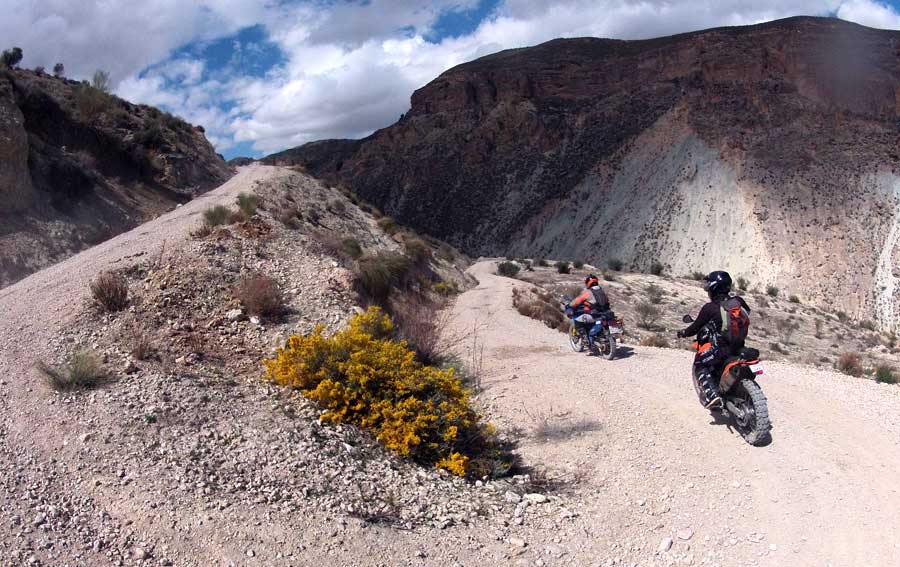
(265, 75)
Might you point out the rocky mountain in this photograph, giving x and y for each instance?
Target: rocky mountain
(78, 166)
(769, 150)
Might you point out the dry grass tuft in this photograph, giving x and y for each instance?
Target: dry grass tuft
(850, 363)
(110, 291)
(260, 296)
(82, 371)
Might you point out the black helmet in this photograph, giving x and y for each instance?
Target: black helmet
(717, 284)
(591, 281)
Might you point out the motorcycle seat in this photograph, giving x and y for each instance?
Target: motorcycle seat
(749, 354)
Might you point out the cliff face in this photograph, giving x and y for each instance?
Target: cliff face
(78, 166)
(770, 151)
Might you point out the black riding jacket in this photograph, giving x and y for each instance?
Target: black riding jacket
(711, 312)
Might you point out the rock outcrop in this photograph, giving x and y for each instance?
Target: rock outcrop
(78, 166)
(768, 150)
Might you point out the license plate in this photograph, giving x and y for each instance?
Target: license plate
(614, 330)
(756, 369)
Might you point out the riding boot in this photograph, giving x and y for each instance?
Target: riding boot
(710, 389)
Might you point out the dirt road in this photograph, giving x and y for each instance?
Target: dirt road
(654, 464)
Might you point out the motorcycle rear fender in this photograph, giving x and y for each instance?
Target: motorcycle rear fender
(734, 371)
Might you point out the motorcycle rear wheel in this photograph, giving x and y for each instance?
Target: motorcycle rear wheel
(611, 353)
(755, 427)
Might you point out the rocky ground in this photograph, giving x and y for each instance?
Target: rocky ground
(187, 457)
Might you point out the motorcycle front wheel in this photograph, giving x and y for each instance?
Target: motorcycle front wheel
(576, 340)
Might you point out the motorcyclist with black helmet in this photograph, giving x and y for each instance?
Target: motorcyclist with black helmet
(713, 320)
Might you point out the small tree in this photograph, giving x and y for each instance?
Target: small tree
(11, 57)
(59, 70)
(100, 81)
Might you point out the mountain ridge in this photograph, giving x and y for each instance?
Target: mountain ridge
(740, 148)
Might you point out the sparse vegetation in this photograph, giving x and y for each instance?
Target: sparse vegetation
(850, 363)
(82, 371)
(416, 410)
(578, 264)
(110, 291)
(772, 291)
(884, 374)
(59, 70)
(842, 316)
(141, 347)
(216, 216)
(338, 207)
(819, 323)
(419, 321)
(656, 268)
(247, 203)
(90, 102)
(786, 329)
(698, 275)
(655, 340)
(867, 324)
(378, 274)
(542, 263)
(794, 299)
(417, 250)
(742, 283)
(647, 313)
(507, 269)
(654, 294)
(100, 81)
(260, 295)
(563, 267)
(388, 225)
(615, 264)
(539, 304)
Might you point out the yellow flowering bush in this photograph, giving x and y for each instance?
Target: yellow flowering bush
(362, 376)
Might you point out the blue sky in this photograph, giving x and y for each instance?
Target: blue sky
(262, 76)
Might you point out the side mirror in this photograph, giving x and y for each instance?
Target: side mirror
(687, 319)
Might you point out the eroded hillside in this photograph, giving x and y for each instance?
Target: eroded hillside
(78, 166)
(769, 151)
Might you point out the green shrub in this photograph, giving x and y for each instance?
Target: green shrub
(361, 376)
(794, 299)
(614, 264)
(110, 291)
(578, 264)
(59, 70)
(351, 248)
(850, 363)
(563, 267)
(247, 203)
(11, 57)
(698, 276)
(507, 269)
(742, 283)
(378, 274)
(542, 263)
(842, 316)
(884, 374)
(216, 216)
(82, 371)
(867, 325)
(151, 135)
(772, 291)
(656, 268)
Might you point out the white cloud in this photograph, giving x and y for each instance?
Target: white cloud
(349, 67)
(869, 13)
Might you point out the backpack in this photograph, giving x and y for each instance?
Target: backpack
(735, 321)
(601, 299)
